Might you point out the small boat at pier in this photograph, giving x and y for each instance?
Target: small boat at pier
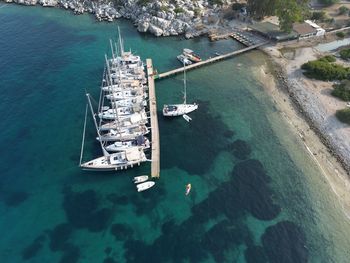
(140, 179)
(144, 186)
(184, 60)
(191, 55)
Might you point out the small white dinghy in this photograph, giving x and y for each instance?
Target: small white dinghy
(187, 118)
(140, 179)
(144, 186)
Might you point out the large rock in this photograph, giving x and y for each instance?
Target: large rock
(142, 26)
(155, 30)
(48, 2)
(26, 2)
(160, 22)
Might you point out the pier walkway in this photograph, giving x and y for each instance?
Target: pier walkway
(155, 164)
(210, 60)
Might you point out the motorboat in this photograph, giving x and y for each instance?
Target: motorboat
(188, 53)
(144, 186)
(184, 60)
(140, 179)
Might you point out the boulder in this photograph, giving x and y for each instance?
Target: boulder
(143, 26)
(155, 30)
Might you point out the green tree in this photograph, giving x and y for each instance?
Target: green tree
(260, 8)
(288, 11)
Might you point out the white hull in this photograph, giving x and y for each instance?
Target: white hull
(129, 134)
(178, 109)
(140, 179)
(144, 186)
(116, 161)
(123, 145)
(121, 117)
(125, 94)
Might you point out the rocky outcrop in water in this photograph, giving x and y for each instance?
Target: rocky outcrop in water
(160, 18)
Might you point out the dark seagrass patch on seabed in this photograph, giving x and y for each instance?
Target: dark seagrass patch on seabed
(117, 199)
(285, 242)
(33, 249)
(16, 198)
(82, 210)
(146, 201)
(71, 254)
(173, 245)
(122, 231)
(255, 254)
(251, 183)
(203, 138)
(109, 260)
(59, 236)
(240, 149)
(223, 236)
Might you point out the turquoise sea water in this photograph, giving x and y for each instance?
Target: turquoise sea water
(256, 195)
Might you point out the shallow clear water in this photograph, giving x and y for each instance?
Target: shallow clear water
(256, 195)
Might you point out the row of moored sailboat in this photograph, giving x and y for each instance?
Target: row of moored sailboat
(121, 120)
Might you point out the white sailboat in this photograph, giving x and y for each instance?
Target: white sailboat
(122, 115)
(123, 134)
(116, 161)
(140, 141)
(180, 109)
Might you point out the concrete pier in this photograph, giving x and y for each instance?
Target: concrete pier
(155, 165)
(208, 61)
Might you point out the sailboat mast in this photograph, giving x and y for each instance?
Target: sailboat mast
(110, 42)
(113, 98)
(120, 43)
(185, 87)
(105, 153)
(83, 140)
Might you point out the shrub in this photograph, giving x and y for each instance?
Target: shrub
(178, 10)
(237, 6)
(343, 115)
(216, 2)
(164, 8)
(345, 53)
(143, 2)
(323, 69)
(328, 58)
(342, 90)
(319, 16)
(343, 10)
(197, 12)
(340, 34)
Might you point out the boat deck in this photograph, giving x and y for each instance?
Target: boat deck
(155, 165)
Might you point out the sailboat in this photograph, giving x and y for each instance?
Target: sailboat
(121, 112)
(180, 109)
(116, 161)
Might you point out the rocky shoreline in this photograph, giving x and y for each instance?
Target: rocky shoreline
(160, 18)
(298, 100)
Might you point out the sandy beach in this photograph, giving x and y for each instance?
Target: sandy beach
(309, 108)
